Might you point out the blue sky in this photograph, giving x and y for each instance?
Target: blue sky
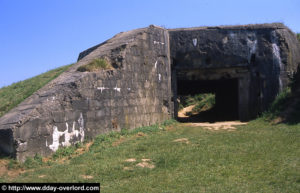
(39, 35)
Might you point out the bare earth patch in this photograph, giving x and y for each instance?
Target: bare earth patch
(226, 125)
(3, 168)
(141, 134)
(145, 165)
(12, 173)
(131, 160)
(84, 149)
(128, 168)
(118, 142)
(87, 177)
(182, 113)
(182, 140)
(123, 139)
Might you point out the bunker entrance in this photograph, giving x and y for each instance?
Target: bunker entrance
(213, 100)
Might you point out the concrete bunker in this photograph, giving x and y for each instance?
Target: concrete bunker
(244, 66)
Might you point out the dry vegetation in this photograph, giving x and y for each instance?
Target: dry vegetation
(95, 65)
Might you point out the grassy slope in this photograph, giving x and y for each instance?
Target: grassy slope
(258, 157)
(14, 94)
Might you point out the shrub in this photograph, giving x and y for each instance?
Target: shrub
(34, 162)
(95, 65)
(64, 152)
(278, 105)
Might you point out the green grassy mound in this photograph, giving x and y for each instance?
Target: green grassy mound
(177, 157)
(16, 93)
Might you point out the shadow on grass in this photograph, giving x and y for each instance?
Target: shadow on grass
(292, 117)
(5, 156)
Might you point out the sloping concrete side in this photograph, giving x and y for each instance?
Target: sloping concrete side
(79, 105)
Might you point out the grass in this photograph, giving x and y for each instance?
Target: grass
(202, 102)
(286, 106)
(16, 93)
(258, 157)
(96, 65)
(279, 104)
(207, 102)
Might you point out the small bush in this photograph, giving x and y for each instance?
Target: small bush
(298, 37)
(64, 152)
(278, 105)
(13, 164)
(33, 162)
(96, 65)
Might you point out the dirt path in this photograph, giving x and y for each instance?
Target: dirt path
(224, 125)
(182, 112)
(11, 173)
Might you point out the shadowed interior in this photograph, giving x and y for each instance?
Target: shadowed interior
(226, 96)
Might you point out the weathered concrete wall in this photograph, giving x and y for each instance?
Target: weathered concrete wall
(80, 105)
(261, 57)
(142, 88)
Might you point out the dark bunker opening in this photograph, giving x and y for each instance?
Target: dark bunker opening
(226, 99)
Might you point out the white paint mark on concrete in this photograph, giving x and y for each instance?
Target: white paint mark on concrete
(195, 41)
(225, 40)
(232, 35)
(156, 42)
(280, 84)
(81, 127)
(102, 88)
(55, 139)
(155, 64)
(68, 136)
(159, 77)
(276, 56)
(277, 62)
(128, 89)
(252, 45)
(117, 89)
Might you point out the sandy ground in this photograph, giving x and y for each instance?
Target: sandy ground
(224, 125)
(182, 112)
